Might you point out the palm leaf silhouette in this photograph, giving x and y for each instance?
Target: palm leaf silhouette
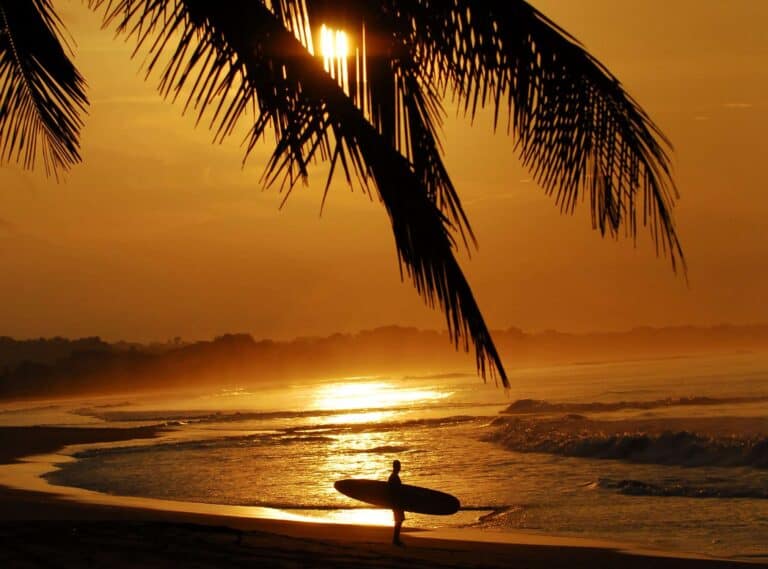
(378, 120)
(42, 95)
(574, 126)
(218, 55)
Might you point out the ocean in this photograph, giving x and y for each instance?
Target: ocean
(669, 454)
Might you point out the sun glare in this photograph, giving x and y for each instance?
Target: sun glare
(371, 395)
(335, 49)
(333, 43)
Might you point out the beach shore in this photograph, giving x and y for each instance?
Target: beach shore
(43, 529)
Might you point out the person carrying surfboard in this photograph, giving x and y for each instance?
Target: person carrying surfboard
(394, 483)
(398, 497)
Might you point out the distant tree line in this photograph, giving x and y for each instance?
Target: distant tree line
(59, 367)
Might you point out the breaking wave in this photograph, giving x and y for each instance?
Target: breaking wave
(714, 488)
(536, 406)
(641, 441)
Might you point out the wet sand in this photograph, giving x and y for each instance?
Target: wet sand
(41, 529)
(18, 442)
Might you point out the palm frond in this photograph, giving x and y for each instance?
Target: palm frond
(390, 89)
(42, 95)
(229, 58)
(576, 128)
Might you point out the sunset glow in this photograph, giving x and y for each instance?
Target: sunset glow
(173, 200)
(490, 276)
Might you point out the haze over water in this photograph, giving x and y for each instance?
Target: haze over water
(667, 453)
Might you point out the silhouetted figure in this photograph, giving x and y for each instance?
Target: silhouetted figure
(394, 482)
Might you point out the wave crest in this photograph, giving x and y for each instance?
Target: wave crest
(641, 441)
(537, 406)
(680, 489)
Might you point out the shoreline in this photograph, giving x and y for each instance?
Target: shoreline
(32, 507)
(17, 443)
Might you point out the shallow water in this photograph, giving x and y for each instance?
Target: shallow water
(285, 446)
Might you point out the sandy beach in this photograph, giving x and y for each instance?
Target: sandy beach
(41, 529)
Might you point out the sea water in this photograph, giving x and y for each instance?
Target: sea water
(669, 454)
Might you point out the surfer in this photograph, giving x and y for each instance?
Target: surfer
(399, 515)
(398, 497)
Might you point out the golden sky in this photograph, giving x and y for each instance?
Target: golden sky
(159, 233)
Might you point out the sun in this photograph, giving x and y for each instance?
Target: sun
(333, 43)
(335, 50)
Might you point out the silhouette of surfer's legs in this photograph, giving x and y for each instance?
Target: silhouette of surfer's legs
(399, 519)
(394, 486)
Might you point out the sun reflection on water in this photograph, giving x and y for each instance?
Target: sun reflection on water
(358, 417)
(360, 452)
(372, 395)
(359, 516)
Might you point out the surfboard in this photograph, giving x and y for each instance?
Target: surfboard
(405, 497)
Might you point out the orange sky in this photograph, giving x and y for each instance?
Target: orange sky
(159, 233)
